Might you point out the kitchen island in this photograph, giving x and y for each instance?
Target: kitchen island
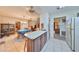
(35, 41)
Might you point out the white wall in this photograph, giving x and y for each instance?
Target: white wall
(44, 19)
(68, 13)
(51, 26)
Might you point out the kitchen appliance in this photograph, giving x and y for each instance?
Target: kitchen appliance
(72, 33)
(77, 34)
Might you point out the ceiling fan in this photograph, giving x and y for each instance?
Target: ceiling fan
(31, 10)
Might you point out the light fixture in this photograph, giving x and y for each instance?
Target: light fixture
(60, 7)
(31, 13)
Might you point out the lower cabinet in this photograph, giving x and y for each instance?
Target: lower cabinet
(29, 45)
(35, 45)
(0, 30)
(42, 41)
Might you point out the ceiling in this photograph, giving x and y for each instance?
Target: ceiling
(22, 11)
(52, 10)
(17, 12)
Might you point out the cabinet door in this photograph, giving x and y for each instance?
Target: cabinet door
(45, 38)
(42, 41)
(29, 45)
(36, 46)
(0, 30)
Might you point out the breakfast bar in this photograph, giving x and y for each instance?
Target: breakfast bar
(35, 41)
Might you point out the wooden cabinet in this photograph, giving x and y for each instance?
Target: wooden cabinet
(6, 29)
(42, 40)
(35, 45)
(29, 45)
(0, 30)
(45, 38)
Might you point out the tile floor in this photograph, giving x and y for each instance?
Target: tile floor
(56, 45)
(12, 45)
(52, 45)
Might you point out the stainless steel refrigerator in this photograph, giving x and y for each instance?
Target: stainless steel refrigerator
(70, 28)
(72, 33)
(77, 34)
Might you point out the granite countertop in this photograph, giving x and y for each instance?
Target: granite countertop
(34, 35)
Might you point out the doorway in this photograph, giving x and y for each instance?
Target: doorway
(60, 28)
(56, 28)
(18, 26)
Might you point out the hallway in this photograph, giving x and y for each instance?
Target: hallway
(55, 45)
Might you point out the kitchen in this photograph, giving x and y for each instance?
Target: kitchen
(36, 28)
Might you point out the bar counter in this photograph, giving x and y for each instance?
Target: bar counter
(35, 41)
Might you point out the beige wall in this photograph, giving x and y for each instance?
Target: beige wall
(4, 19)
(11, 20)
